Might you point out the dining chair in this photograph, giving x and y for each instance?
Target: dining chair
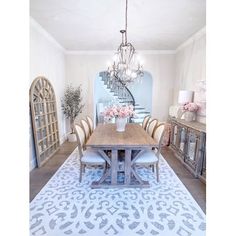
(145, 121)
(85, 126)
(151, 157)
(88, 156)
(90, 122)
(151, 126)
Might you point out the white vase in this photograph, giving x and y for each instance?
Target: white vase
(120, 124)
(189, 116)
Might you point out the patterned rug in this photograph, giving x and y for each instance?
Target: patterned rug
(66, 207)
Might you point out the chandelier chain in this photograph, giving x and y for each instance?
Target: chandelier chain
(126, 17)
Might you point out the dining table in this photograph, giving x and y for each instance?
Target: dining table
(120, 150)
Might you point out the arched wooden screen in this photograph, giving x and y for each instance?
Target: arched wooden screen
(44, 119)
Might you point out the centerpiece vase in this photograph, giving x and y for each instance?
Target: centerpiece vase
(120, 124)
(189, 116)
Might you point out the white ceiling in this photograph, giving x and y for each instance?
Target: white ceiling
(95, 24)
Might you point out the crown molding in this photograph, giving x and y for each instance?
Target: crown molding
(193, 38)
(49, 37)
(111, 52)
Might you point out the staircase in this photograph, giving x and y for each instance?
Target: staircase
(122, 95)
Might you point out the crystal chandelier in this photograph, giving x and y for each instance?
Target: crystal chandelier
(126, 66)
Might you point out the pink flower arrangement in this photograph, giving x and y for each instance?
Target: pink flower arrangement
(119, 111)
(191, 106)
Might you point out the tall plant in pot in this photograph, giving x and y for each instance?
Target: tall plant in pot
(72, 105)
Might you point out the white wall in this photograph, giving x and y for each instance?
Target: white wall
(84, 68)
(47, 59)
(191, 68)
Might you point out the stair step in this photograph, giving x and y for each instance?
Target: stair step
(143, 112)
(137, 120)
(140, 116)
(139, 108)
(125, 101)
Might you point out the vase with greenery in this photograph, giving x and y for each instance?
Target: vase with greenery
(72, 104)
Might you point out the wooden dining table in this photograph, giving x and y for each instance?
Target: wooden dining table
(120, 150)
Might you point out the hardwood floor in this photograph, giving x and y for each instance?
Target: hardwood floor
(40, 176)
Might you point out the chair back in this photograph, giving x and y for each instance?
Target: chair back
(85, 126)
(158, 132)
(80, 136)
(90, 122)
(151, 126)
(158, 135)
(145, 121)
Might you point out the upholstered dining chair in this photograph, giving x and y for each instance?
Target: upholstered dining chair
(90, 122)
(88, 156)
(151, 157)
(145, 121)
(151, 126)
(85, 126)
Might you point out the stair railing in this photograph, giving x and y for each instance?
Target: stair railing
(118, 87)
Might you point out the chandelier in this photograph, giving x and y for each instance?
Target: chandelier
(126, 66)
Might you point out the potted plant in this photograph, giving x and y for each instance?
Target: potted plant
(71, 107)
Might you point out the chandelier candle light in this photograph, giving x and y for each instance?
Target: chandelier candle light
(127, 67)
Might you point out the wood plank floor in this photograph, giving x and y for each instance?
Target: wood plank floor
(40, 176)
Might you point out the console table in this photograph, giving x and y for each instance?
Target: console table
(188, 140)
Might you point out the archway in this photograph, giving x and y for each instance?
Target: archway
(141, 91)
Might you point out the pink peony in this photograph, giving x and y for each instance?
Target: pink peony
(119, 111)
(191, 106)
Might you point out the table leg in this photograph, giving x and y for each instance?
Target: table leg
(127, 166)
(114, 166)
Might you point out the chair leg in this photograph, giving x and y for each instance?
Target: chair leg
(80, 173)
(153, 168)
(157, 171)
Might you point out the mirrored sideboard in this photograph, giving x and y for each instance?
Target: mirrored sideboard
(188, 140)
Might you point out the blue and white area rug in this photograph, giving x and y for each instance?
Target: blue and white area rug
(66, 207)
